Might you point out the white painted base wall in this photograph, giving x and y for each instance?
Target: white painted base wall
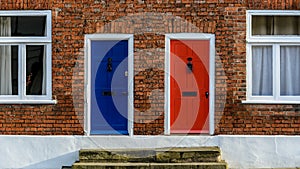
(239, 151)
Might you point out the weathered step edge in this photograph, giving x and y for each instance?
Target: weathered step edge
(219, 165)
(162, 155)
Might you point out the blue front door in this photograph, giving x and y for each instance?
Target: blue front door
(109, 88)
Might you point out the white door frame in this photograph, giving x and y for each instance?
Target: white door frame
(87, 61)
(190, 36)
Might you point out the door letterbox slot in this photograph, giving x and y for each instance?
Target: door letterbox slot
(107, 93)
(189, 94)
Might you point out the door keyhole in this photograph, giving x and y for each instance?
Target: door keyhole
(206, 95)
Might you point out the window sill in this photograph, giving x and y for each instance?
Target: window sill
(28, 102)
(269, 102)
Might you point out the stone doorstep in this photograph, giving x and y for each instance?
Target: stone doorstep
(278, 168)
(174, 155)
(219, 165)
(173, 149)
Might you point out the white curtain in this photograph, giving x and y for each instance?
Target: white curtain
(290, 70)
(262, 71)
(5, 59)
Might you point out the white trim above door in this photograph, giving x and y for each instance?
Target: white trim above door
(102, 37)
(190, 36)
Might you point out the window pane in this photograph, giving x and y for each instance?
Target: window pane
(15, 70)
(262, 71)
(22, 26)
(261, 25)
(8, 70)
(275, 25)
(290, 70)
(35, 70)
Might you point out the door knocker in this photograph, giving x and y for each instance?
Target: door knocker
(109, 65)
(190, 64)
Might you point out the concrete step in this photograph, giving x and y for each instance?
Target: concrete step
(219, 165)
(161, 155)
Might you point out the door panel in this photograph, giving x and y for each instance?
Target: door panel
(109, 98)
(189, 66)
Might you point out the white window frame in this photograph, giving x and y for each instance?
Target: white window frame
(21, 42)
(269, 40)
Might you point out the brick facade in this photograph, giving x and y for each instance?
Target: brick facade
(72, 19)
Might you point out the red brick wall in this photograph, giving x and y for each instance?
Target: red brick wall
(72, 19)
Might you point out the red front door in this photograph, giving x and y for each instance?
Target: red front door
(189, 67)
